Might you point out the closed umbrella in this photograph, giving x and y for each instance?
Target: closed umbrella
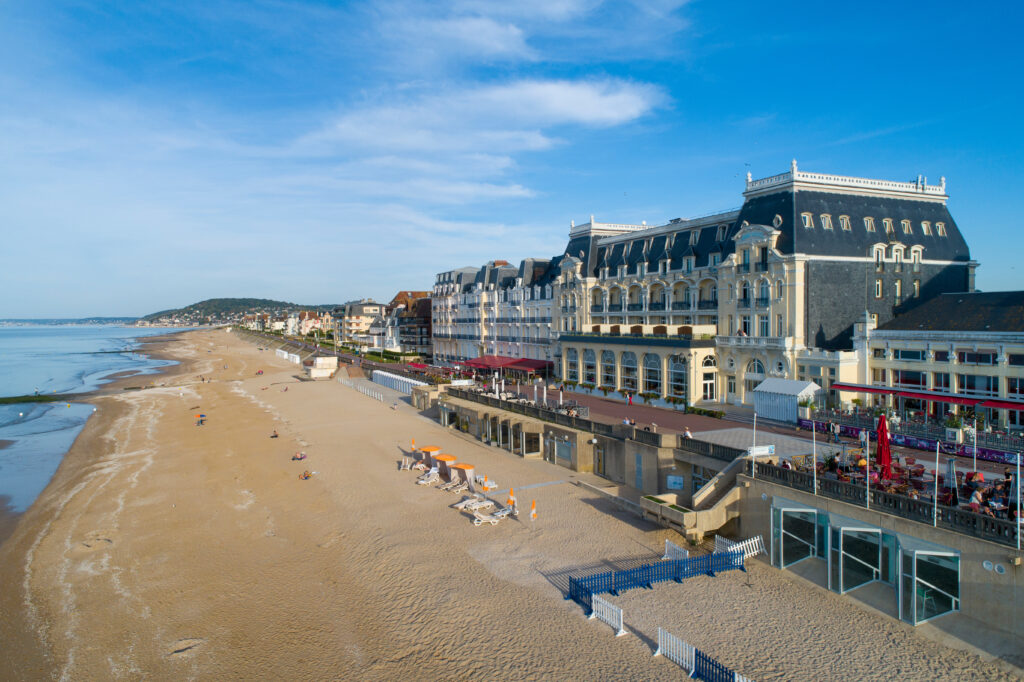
(882, 454)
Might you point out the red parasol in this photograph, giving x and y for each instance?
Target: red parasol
(882, 455)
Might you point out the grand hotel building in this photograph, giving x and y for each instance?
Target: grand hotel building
(702, 310)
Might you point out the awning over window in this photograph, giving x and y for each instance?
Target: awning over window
(939, 397)
(1003, 404)
(839, 386)
(528, 365)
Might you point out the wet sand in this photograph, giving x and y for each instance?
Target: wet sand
(167, 551)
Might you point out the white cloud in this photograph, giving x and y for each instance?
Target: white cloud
(465, 37)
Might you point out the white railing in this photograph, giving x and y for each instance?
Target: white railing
(794, 175)
(674, 551)
(281, 353)
(365, 390)
(675, 650)
(723, 545)
(604, 610)
(293, 358)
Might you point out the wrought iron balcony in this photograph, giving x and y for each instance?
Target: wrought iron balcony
(743, 303)
(634, 307)
(709, 304)
(660, 305)
(681, 305)
(615, 307)
(762, 301)
(596, 307)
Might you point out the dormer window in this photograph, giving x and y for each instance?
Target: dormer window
(807, 220)
(722, 231)
(715, 259)
(776, 221)
(887, 222)
(844, 222)
(907, 229)
(940, 229)
(826, 221)
(869, 224)
(926, 228)
(693, 237)
(689, 263)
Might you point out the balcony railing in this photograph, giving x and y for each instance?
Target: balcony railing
(615, 307)
(762, 301)
(743, 303)
(760, 267)
(743, 267)
(597, 307)
(660, 305)
(681, 305)
(634, 307)
(711, 304)
(949, 518)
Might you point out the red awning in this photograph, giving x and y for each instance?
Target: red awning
(939, 397)
(490, 362)
(1003, 404)
(857, 388)
(528, 365)
(418, 365)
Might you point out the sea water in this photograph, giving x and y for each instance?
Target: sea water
(55, 359)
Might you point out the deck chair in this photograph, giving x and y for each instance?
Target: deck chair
(450, 484)
(431, 477)
(433, 472)
(480, 519)
(404, 466)
(479, 505)
(466, 500)
(420, 466)
(505, 512)
(459, 487)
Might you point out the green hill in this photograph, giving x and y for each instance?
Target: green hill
(225, 309)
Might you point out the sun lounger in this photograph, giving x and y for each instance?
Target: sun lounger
(432, 472)
(450, 484)
(420, 466)
(480, 519)
(466, 500)
(432, 477)
(404, 466)
(459, 487)
(505, 512)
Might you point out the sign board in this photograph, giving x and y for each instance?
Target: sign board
(761, 450)
(675, 482)
(462, 382)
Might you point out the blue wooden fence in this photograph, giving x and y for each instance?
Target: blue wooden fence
(710, 670)
(582, 590)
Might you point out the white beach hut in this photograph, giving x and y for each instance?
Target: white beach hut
(778, 399)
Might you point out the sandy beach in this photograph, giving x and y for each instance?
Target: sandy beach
(166, 550)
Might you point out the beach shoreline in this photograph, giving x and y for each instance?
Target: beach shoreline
(167, 550)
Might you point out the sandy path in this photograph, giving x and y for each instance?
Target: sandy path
(170, 551)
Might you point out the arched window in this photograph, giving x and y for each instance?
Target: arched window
(745, 292)
(608, 369)
(764, 291)
(778, 289)
(652, 373)
(709, 361)
(572, 365)
(755, 367)
(677, 376)
(627, 367)
(589, 367)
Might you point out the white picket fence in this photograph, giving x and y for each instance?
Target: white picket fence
(750, 547)
(294, 359)
(608, 612)
(675, 650)
(674, 551)
(281, 353)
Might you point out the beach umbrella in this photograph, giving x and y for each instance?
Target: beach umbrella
(882, 454)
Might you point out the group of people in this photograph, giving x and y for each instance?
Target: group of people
(991, 500)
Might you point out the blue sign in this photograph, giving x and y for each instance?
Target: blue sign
(675, 482)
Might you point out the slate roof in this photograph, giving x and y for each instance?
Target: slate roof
(795, 238)
(996, 311)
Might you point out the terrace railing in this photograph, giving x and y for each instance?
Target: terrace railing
(950, 518)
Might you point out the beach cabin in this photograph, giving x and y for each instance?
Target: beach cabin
(779, 399)
(428, 454)
(467, 472)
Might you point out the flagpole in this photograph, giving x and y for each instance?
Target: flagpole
(814, 456)
(1018, 501)
(935, 497)
(975, 429)
(754, 444)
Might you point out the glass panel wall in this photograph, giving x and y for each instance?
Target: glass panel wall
(930, 585)
(798, 536)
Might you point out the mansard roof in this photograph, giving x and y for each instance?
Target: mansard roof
(996, 311)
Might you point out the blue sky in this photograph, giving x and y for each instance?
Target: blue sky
(153, 154)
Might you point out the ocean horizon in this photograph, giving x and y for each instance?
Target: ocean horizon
(54, 360)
